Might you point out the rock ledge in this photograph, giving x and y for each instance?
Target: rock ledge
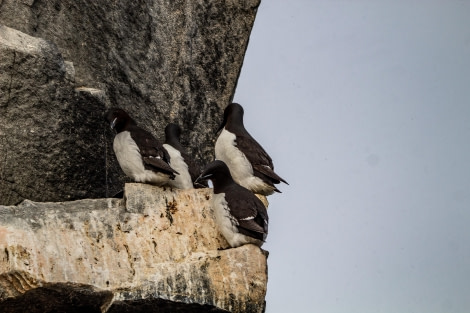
(156, 250)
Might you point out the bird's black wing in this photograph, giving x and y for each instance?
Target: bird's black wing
(153, 153)
(265, 171)
(260, 160)
(249, 212)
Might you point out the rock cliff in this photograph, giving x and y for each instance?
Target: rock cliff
(65, 245)
(63, 62)
(156, 250)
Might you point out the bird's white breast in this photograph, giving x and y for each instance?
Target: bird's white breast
(129, 158)
(240, 167)
(183, 180)
(227, 151)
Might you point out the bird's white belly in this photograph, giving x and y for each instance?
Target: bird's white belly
(228, 224)
(183, 180)
(239, 166)
(129, 158)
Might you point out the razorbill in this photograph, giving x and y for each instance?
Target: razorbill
(139, 153)
(241, 217)
(248, 162)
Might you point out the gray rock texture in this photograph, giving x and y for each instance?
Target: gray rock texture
(51, 144)
(156, 250)
(64, 62)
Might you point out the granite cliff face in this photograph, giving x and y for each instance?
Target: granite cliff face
(64, 62)
(156, 250)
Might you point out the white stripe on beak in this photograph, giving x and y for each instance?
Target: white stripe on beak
(113, 123)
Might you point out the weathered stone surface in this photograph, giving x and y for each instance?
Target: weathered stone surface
(162, 61)
(156, 250)
(52, 136)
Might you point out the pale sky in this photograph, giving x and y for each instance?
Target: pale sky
(364, 107)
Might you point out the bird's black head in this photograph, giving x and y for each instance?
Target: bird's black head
(172, 131)
(172, 136)
(118, 119)
(218, 172)
(234, 112)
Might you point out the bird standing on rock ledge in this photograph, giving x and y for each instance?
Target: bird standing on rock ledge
(249, 164)
(187, 168)
(139, 154)
(240, 215)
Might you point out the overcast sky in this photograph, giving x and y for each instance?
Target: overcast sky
(364, 107)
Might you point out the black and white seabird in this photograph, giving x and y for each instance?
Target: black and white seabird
(249, 164)
(240, 215)
(187, 168)
(140, 155)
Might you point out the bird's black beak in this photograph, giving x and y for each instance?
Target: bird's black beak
(202, 177)
(196, 182)
(113, 123)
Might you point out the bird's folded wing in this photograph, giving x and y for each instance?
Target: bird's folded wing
(148, 145)
(159, 164)
(251, 225)
(253, 151)
(267, 171)
(248, 210)
(152, 151)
